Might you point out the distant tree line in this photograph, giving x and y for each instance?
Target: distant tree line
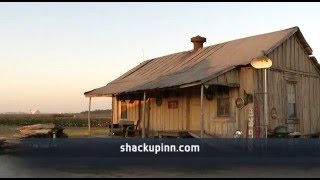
(98, 111)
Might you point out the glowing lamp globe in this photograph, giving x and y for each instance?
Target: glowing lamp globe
(261, 62)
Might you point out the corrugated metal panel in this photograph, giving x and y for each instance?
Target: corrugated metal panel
(189, 67)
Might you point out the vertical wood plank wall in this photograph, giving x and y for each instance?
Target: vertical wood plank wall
(132, 110)
(115, 110)
(247, 84)
(164, 119)
(290, 61)
(223, 126)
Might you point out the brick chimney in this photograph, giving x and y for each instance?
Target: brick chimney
(198, 42)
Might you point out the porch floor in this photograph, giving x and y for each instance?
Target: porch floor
(194, 134)
(162, 134)
(197, 134)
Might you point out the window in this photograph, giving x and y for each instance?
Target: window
(123, 110)
(291, 96)
(223, 102)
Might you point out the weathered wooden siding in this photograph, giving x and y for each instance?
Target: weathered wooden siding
(223, 126)
(132, 110)
(247, 85)
(291, 61)
(230, 77)
(291, 56)
(220, 126)
(226, 126)
(276, 98)
(115, 110)
(164, 119)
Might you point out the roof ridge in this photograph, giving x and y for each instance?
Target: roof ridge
(254, 36)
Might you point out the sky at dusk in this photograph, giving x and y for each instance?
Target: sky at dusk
(51, 53)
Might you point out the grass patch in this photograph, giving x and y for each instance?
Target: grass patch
(74, 132)
(8, 131)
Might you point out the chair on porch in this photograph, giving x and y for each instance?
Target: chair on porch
(123, 128)
(131, 131)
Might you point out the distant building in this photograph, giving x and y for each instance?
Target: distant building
(34, 112)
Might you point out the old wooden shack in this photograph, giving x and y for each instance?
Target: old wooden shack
(214, 90)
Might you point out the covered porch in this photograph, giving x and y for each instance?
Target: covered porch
(168, 112)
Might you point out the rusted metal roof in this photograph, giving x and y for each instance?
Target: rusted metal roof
(180, 69)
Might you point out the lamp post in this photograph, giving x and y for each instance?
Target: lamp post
(263, 63)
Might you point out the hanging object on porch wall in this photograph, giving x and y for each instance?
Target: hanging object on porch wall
(173, 104)
(159, 101)
(209, 93)
(239, 103)
(273, 113)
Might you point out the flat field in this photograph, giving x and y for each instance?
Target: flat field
(75, 125)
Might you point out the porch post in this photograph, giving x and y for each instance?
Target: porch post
(112, 116)
(148, 124)
(266, 101)
(144, 116)
(89, 121)
(201, 112)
